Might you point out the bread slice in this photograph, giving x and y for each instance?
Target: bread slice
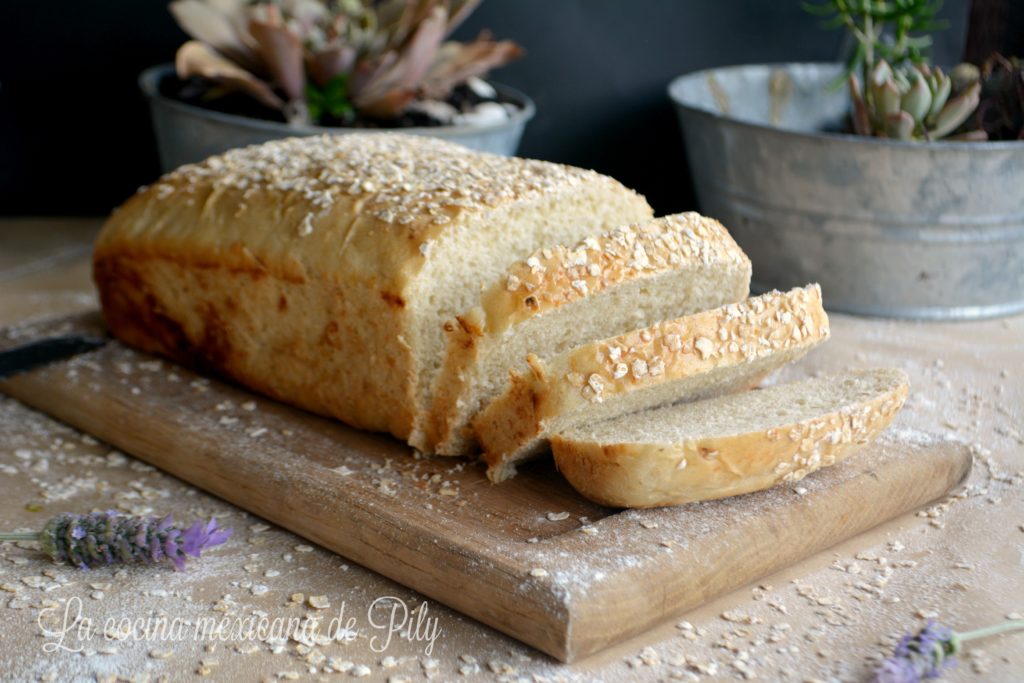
(706, 354)
(728, 445)
(321, 270)
(558, 298)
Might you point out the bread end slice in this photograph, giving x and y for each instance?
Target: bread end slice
(729, 445)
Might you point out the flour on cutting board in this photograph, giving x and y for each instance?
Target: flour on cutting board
(767, 638)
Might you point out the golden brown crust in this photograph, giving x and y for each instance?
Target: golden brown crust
(292, 266)
(729, 336)
(553, 277)
(652, 475)
(278, 337)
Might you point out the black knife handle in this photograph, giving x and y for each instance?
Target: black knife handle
(34, 354)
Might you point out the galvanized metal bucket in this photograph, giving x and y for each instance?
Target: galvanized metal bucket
(900, 229)
(186, 134)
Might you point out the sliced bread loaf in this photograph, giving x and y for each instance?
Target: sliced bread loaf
(560, 297)
(705, 354)
(728, 445)
(321, 270)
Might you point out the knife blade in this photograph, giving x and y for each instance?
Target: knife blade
(33, 354)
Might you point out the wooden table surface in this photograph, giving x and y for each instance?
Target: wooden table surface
(828, 618)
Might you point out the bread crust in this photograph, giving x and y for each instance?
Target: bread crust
(552, 277)
(642, 475)
(514, 425)
(294, 267)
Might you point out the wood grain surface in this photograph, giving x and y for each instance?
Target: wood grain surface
(507, 555)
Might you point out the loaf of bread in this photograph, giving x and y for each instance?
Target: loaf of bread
(729, 445)
(320, 270)
(560, 297)
(705, 354)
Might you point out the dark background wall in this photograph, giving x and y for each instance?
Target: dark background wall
(75, 135)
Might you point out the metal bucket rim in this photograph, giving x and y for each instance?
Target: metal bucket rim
(941, 146)
(150, 78)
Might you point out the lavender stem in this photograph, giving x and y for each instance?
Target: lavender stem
(1013, 625)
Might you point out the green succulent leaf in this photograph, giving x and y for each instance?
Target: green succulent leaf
(917, 101)
(889, 100)
(940, 93)
(881, 72)
(900, 126)
(861, 118)
(331, 99)
(956, 112)
(963, 75)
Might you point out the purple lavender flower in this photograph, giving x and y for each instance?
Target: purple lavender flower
(921, 656)
(926, 654)
(102, 538)
(198, 537)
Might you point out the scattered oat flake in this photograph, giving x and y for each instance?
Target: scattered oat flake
(705, 346)
(538, 572)
(557, 516)
(303, 548)
(318, 602)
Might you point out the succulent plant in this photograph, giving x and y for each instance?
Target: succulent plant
(317, 59)
(915, 102)
(1001, 111)
(897, 93)
(892, 30)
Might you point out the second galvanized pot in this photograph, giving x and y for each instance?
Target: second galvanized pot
(920, 230)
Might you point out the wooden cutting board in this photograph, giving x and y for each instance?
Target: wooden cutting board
(529, 557)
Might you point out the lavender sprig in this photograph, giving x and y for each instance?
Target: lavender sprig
(926, 654)
(103, 538)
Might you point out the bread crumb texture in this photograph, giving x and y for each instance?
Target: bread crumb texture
(729, 445)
